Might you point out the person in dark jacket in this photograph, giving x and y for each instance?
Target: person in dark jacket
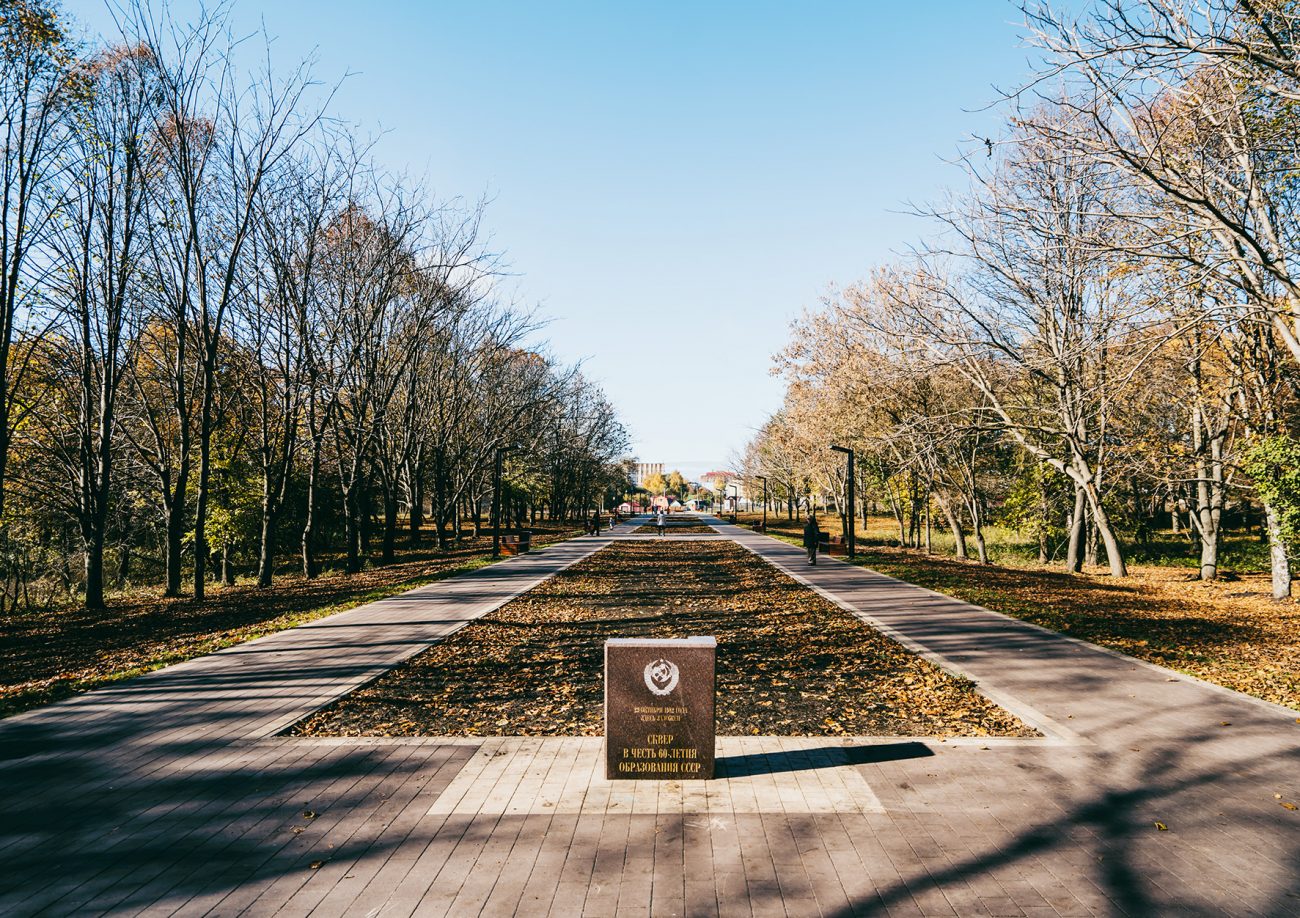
(812, 535)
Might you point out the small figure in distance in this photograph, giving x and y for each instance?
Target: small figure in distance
(659, 520)
(595, 522)
(811, 537)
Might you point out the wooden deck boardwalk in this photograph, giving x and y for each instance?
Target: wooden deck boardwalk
(173, 794)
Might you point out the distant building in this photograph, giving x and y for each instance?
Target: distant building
(644, 470)
(665, 502)
(732, 483)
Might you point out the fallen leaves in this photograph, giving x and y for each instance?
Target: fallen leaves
(51, 654)
(1231, 636)
(789, 661)
(676, 528)
(1161, 827)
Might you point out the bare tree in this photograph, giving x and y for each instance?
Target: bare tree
(275, 323)
(1042, 298)
(98, 246)
(1195, 104)
(219, 139)
(34, 61)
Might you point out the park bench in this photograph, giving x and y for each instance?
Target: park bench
(516, 543)
(833, 544)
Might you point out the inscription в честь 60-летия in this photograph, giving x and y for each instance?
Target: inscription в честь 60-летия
(659, 708)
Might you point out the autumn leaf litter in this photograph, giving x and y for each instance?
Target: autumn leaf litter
(790, 663)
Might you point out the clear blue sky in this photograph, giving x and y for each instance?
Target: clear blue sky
(666, 177)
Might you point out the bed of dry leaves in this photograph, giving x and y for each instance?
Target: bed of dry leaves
(48, 655)
(690, 525)
(789, 662)
(1229, 632)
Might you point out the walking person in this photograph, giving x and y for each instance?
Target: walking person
(812, 535)
(659, 520)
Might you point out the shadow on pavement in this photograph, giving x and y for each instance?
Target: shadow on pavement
(829, 756)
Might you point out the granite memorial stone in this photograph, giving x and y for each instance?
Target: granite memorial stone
(659, 700)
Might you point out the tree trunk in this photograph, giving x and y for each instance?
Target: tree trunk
(200, 523)
(958, 532)
(309, 566)
(351, 532)
(977, 524)
(1090, 540)
(896, 508)
(266, 546)
(1044, 517)
(444, 506)
(416, 486)
(390, 524)
(1280, 563)
(175, 535)
(1209, 506)
(1114, 554)
(95, 571)
(1074, 554)
(1210, 555)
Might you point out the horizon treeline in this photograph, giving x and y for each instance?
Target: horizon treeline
(1101, 336)
(228, 338)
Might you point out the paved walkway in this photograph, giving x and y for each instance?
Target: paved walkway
(173, 794)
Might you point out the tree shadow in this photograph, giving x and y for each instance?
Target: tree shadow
(1140, 869)
(812, 759)
(209, 823)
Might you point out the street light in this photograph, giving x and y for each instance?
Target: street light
(496, 500)
(852, 499)
(763, 478)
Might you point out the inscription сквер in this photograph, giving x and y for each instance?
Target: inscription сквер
(659, 697)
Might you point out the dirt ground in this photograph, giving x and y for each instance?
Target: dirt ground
(789, 662)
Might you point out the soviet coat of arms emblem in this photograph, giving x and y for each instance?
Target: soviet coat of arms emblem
(661, 676)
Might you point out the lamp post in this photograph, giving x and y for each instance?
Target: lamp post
(763, 478)
(852, 499)
(496, 500)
